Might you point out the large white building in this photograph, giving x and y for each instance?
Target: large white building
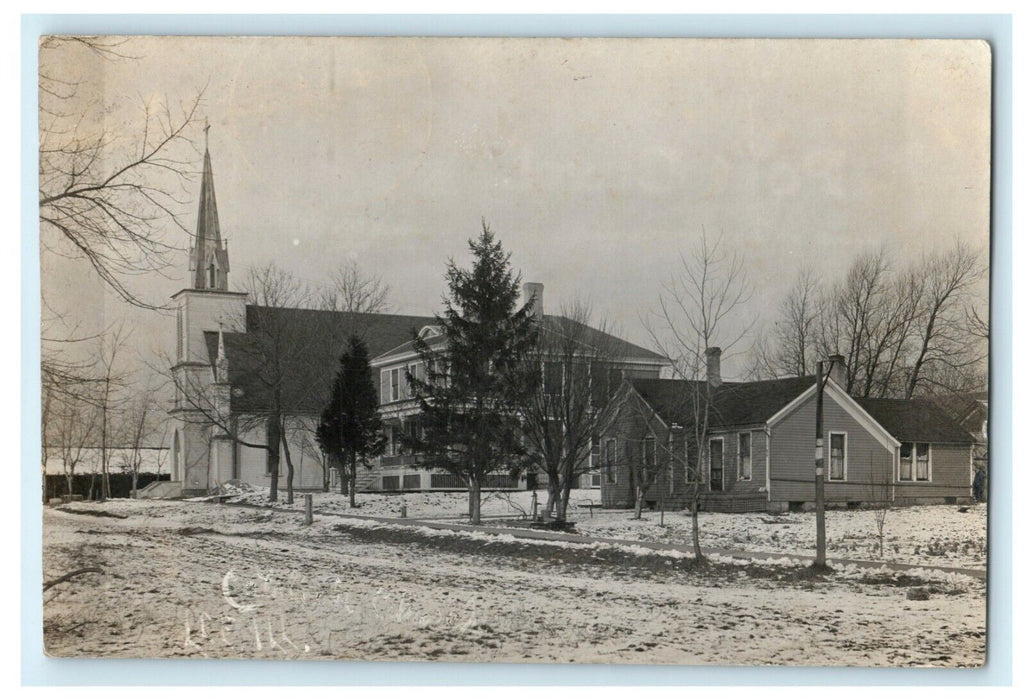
(235, 361)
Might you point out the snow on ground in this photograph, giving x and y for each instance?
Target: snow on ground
(200, 579)
(918, 535)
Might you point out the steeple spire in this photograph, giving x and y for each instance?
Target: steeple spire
(208, 259)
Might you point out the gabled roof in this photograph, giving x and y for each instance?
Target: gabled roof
(915, 420)
(962, 406)
(553, 325)
(733, 404)
(311, 342)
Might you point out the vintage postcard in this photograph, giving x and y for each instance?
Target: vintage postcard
(627, 351)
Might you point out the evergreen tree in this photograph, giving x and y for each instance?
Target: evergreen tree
(350, 428)
(474, 386)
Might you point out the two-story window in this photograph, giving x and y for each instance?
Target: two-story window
(552, 378)
(914, 461)
(838, 453)
(744, 456)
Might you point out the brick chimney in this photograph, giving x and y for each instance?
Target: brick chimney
(712, 367)
(839, 370)
(536, 290)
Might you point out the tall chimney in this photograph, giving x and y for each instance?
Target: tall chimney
(535, 290)
(712, 367)
(839, 371)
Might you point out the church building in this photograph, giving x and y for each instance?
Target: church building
(242, 369)
(235, 362)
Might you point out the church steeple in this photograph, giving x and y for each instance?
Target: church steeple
(208, 259)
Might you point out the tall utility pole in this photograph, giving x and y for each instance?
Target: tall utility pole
(820, 476)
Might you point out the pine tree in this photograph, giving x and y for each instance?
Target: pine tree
(474, 386)
(350, 428)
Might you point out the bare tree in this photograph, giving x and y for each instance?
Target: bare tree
(569, 376)
(137, 428)
(799, 315)
(73, 433)
(353, 290)
(942, 335)
(111, 382)
(700, 309)
(904, 331)
(108, 197)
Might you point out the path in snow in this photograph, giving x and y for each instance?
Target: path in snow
(186, 579)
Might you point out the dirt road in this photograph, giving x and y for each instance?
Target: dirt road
(184, 579)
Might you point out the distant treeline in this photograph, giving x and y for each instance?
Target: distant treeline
(120, 484)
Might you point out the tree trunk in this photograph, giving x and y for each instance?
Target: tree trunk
(694, 527)
(474, 493)
(273, 455)
(550, 502)
(563, 504)
(639, 494)
(291, 472)
(351, 476)
(135, 483)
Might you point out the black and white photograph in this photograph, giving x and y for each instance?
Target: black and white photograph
(515, 350)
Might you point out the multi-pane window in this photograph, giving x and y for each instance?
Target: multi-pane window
(914, 461)
(838, 456)
(744, 456)
(553, 378)
(394, 383)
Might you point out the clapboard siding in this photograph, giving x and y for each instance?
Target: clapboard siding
(634, 421)
(793, 459)
(950, 475)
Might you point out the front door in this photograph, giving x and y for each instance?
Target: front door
(716, 465)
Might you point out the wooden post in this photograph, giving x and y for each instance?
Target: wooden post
(308, 508)
(820, 481)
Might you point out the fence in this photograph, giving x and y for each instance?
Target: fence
(120, 484)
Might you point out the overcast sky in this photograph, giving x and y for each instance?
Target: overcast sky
(596, 162)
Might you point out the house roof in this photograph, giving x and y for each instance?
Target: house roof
(754, 403)
(963, 406)
(915, 420)
(310, 342)
(734, 403)
(554, 325)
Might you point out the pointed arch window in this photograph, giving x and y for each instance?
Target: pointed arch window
(213, 276)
